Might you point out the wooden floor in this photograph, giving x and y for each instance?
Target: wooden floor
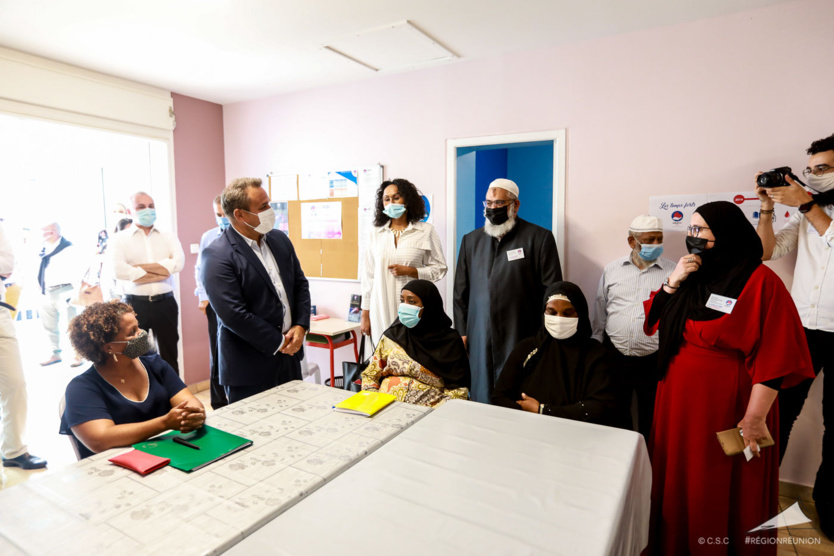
(810, 533)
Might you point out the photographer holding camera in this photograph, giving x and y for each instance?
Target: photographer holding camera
(811, 233)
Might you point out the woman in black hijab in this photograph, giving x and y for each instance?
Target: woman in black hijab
(561, 371)
(730, 337)
(420, 358)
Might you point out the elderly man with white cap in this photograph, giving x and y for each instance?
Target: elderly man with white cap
(502, 273)
(618, 317)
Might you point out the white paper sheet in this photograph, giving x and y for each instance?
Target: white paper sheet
(791, 516)
(313, 186)
(675, 210)
(284, 188)
(749, 203)
(369, 180)
(321, 220)
(342, 184)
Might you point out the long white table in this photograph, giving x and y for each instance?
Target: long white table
(477, 479)
(94, 507)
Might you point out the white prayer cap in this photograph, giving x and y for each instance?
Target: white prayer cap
(507, 185)
(645, 223)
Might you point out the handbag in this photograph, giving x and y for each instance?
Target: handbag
(87, 295)
(89, 292)
(353, 371)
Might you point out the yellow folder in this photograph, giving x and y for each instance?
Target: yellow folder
(365, 403)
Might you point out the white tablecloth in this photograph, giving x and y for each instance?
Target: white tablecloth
(95, 507)
(477, 479)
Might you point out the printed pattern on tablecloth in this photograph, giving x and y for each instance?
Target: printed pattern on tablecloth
(299, 443)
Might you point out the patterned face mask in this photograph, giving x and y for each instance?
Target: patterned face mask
(138, 346)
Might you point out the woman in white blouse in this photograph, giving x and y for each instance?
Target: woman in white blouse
(401, 248)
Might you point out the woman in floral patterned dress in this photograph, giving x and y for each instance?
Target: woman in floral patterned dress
(420, 358)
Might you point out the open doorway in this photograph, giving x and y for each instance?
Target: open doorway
(535, 161)
(75, 176)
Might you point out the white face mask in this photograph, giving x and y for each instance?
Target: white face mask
(822, 183)
(266, 218)
(561, 328)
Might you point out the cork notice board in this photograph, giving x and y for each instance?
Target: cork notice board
(328, 258)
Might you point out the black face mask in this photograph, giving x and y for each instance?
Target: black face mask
(498, 216)
(696, 245)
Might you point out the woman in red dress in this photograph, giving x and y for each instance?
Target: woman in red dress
(730, 337)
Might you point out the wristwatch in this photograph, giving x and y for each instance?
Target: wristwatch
(807, 206)
(668, 285)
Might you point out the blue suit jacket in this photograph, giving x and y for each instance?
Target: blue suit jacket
(250, 314)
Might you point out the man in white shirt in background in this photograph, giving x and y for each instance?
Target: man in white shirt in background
(218, 394)
(618, 318)
(811, 233)
(12, 383)
(144, 260)
(59, 275)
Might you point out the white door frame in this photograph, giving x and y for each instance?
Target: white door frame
(558, 137)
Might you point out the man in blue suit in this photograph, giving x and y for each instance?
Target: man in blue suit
(256, 286)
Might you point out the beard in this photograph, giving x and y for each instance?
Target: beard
(500, 230)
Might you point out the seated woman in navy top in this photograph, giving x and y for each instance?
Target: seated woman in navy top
(126, 396)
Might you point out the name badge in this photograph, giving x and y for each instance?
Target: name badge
(515, 254)
(721, 303)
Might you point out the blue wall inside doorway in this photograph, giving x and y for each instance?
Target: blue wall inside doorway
(530, 165)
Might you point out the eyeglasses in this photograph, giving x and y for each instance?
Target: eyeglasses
(695, 230)
(496, 204)
(817, 170)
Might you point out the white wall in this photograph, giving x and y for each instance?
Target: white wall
(699, 106)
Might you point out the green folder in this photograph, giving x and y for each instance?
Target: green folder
(214, 444)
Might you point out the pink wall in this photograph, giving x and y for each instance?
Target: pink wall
(200, 175)
(693, 107)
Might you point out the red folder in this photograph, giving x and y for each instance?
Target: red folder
(141, 462)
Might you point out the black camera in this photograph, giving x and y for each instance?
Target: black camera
(776, 177)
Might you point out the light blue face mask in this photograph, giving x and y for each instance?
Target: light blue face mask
(650, 251)
(409, 314)
(394, 210)
(222, 221)
(146, 217)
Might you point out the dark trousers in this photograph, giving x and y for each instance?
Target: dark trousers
(237, 393)
(635, 375)
(218, 394)
(285, 371)
(791, 401)
(161, 318)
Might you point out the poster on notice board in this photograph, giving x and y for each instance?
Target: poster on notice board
(676, 210)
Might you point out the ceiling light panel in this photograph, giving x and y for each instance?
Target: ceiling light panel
(397, 46)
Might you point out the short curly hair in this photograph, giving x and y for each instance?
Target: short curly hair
(821, 145)
(415, 208)
(96, 326)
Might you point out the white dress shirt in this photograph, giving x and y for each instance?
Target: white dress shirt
(813, 273)
(207, 239)
(6, 258)
(132, 247)
(66, 267)
(264, 254)
(618, 308)
(419, 247)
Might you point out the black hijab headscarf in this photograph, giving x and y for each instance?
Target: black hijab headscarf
(433, 342)
(725, 269)
(565, 359)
